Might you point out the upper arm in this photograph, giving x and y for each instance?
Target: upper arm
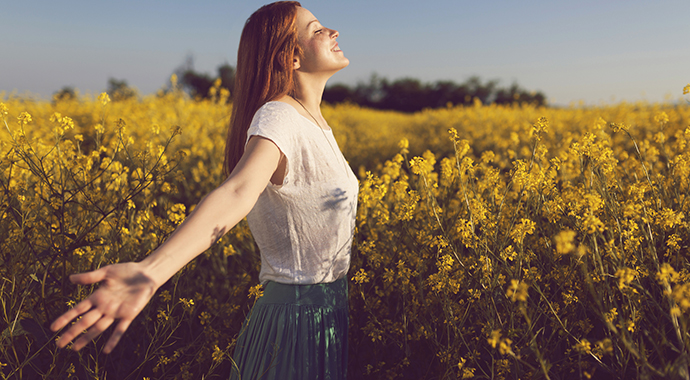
(255, 168)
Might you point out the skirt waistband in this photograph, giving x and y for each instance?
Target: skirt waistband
(332, 295)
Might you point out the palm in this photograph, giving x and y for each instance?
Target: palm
(123, 293)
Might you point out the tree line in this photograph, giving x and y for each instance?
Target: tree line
(411, 95)
(405, 94)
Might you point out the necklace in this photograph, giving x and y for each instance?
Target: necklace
(323, 132)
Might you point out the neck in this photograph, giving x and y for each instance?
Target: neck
(309, 90)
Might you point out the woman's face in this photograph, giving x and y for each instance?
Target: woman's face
(320, 51)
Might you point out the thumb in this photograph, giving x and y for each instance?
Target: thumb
(89, 277)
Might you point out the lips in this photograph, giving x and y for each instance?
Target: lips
(336, 48)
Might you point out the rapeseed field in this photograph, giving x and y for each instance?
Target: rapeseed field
(492, 242)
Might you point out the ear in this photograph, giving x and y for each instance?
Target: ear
(295, 63)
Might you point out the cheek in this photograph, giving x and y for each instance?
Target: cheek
(310, 52)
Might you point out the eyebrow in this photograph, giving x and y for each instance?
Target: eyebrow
(310, 22)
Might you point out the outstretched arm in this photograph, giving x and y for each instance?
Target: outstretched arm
(126, 288)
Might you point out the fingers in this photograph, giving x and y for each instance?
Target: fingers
(100, 326)
(82, 324)
(84, 306)
(89, 277)
(81, 308)
(117, 334)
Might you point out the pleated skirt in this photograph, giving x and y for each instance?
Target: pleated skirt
(295, 332)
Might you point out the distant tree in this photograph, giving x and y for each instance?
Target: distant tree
(226, 73)
(197, 85)
(515, 94)
(66, 93)
(338, 93)
(482, 91)
(407, 95)
(371, 94)
(443, 93)
(120, 90)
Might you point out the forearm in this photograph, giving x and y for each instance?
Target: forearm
(214, 216)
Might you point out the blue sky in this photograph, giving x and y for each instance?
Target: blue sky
(591, 51)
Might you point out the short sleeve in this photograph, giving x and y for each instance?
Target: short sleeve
(273, 121)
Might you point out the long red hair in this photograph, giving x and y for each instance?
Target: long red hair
(264, 70)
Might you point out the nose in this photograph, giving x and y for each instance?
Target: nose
(334, 33)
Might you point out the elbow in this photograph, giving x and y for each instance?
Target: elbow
(235, 202)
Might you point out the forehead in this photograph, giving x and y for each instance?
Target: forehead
(304, 18)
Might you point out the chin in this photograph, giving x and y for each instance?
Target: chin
(346, 62)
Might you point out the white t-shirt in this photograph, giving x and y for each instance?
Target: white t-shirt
(304, 227)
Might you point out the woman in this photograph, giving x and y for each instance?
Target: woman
(288, 177)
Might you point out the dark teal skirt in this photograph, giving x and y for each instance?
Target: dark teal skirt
(295, 332)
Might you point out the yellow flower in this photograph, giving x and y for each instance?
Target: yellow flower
(605, 346)
(204, 318)
(517, 291)
(360, 277)
(256, 291)
(165, 296)
(625, 276)
(672, 242)
(661, 118)
(525, 227)
(3, 110)
(611, 315)
(508, 253)
(504, 346)
(162, 315)
(404, 144)
(667, 274)
(675, 311)
(445, 263)
(176, 214)
(686, 89)
(217, 354)
(24, 118)
(104, 98)
(541, 126)
(681, 295)
(453, 134)
(187, 303)
(660, 138)
(593, 224)
(420, 166)
(564, 241)
(617, 127)
(583, 346)
(229, 250)
(494, 338)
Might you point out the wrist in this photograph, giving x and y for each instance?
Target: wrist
(150, 269)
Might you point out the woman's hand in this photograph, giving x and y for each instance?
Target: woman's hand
(124, 291)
